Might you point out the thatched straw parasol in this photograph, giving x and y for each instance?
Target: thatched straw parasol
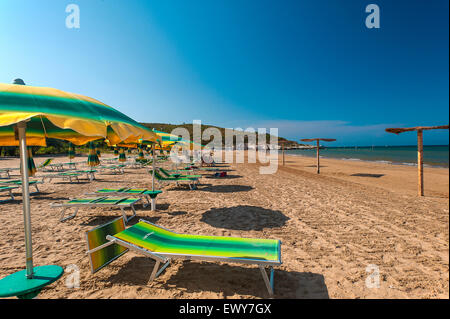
(318, 147)
(419, 130)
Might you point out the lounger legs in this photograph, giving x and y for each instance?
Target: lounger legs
(62, 218)
(269, 283)
(156, 272)
(125, 215)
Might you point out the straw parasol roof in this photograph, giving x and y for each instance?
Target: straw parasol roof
(399, 130)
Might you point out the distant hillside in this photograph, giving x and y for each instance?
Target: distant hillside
(169, 127)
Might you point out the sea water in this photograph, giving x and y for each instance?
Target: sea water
(433, 155)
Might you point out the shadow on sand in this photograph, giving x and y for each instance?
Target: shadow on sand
(226, 188)
(100, 220)
(368, 175)
(244, 217)
(224, 279)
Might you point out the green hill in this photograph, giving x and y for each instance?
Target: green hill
(189, 127)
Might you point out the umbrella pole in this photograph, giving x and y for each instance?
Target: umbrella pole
(21, 126)
(318, 158)
(154, 167)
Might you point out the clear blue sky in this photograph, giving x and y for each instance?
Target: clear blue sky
(310, 68)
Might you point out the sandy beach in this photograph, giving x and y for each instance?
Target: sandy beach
(332, 227)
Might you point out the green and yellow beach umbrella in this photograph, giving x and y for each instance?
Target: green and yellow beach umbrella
(140, 153)
(122, 157)
(92, 156)
(29, 115)
(71, 151)
(31, 166)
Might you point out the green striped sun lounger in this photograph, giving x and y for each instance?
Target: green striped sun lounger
(112, 202)
(168, 174)
(110, 241)
(47, 166)
(18, 182)
(9, 190)
(149, 195)
(89, 173)
(191, 181)
(115, 169)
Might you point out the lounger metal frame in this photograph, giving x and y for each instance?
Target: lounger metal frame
(7, 170)
(165, 258)
(66, 206)
(50, 177)
(31, 183)
(9, 189)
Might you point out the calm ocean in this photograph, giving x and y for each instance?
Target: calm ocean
(405, 155)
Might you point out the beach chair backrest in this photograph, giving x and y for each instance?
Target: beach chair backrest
(164, 171)
(157, 175)
(100, 251)
(47, 162)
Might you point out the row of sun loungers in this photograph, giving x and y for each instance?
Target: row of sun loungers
(113, 239)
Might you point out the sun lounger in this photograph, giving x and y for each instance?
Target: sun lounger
(110, 241)
(149, 195)
(9, 190)
(71, 165)
(7, 171)
(113, 202)
(115, 169)
(89, 173)
(47, 166)
(18, 182)
(191, 181)
(168, 174)
(65, 176)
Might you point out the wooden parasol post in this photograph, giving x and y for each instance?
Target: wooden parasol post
(419, 130)
(283, 143)
(318, 147)
(420, 161)
(318, 157)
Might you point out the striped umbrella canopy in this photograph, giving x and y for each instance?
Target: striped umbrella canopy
(71, 151)
(57, 114)
(29, 115)
(122, 157)
(92, 157)
(167, 137)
